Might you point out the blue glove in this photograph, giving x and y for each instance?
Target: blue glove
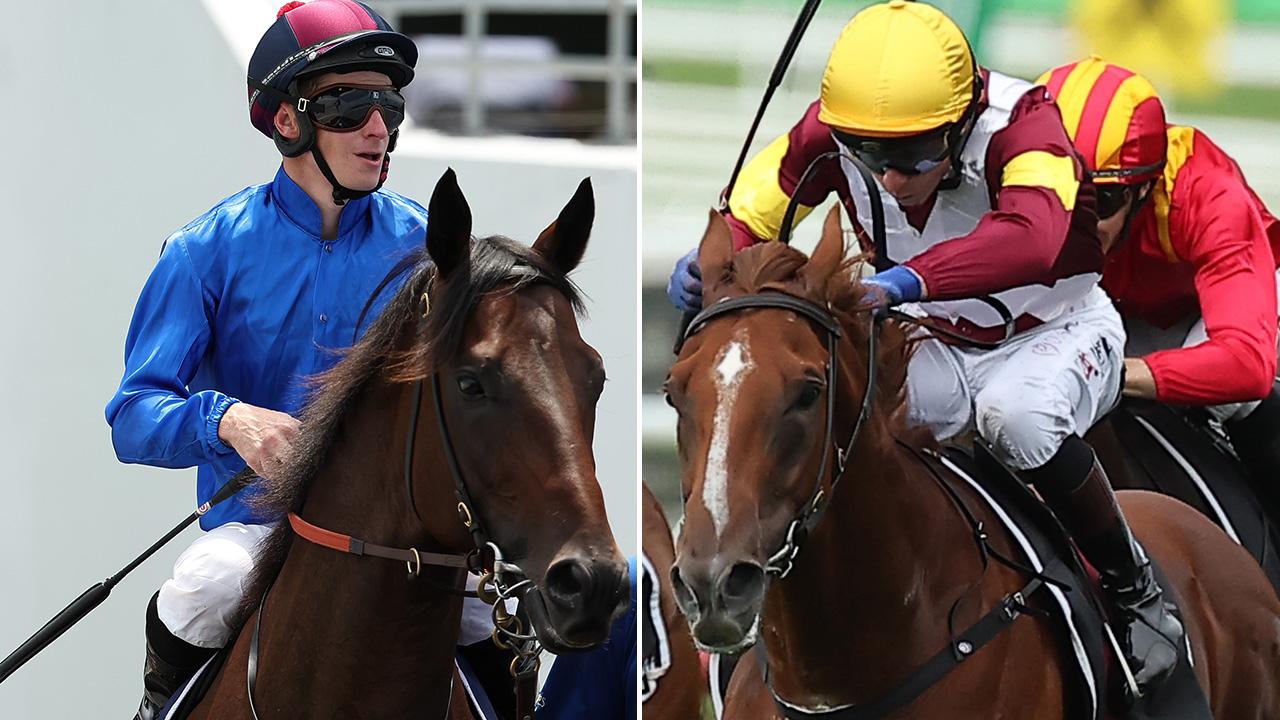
(685, 287)
(891, 287)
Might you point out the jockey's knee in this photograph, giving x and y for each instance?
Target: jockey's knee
(1024, 428)
(201, 602)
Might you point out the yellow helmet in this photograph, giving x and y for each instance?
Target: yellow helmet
(898, 68)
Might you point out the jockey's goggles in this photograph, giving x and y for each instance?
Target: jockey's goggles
(347, 108)
(911, 155)
(1111, 199)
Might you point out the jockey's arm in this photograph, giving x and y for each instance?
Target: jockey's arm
(1236, 284)
(768, 181)
(154, 418)
(1031, 235)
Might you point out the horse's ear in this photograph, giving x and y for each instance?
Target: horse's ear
(715, 252)
(828, 254)
(448, 225)
(565, 240)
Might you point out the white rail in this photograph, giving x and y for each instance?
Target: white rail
(617, 68)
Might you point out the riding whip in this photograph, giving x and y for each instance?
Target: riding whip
(94, 596)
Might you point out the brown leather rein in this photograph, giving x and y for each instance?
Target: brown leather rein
(412, 557)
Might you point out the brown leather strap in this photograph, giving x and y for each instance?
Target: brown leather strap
(526, 694)
(345, 543)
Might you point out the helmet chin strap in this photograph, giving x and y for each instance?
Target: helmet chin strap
(1135, 207)
(341, 193)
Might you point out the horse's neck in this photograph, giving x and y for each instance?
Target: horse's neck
(357, 626)
(873, 585)
(338, 627)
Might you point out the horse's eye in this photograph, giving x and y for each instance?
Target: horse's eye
(808, 396)
(470, 386)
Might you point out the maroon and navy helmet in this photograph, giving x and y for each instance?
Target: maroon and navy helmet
(323, 36)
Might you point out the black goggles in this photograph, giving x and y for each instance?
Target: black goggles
(347, 108)
(1111, 199)
(908, 155)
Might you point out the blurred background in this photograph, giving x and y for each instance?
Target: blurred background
(128, 119)
(706, 64)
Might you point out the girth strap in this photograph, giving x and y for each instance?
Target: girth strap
(962, 647)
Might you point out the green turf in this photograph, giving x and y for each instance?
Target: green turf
(1244, 11)
(695, 72)
(1248, 101)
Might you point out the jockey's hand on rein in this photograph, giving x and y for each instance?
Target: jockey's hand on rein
(684, 289)
(262, 437)
(890, 287)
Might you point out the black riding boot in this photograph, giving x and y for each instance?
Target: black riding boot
(1256, 439)
(170, 662)
(1146, 626)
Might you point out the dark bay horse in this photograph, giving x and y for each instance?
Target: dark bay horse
(489, 328)
(679, 692)
(762, 423)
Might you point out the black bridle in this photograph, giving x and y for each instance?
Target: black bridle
(782, 560)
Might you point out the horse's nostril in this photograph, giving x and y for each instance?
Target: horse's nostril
(684, 596)
(745, 582)
(569, 582)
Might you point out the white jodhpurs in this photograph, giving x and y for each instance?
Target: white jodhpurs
(199, 603)
(1027, 396)
(1145, 339)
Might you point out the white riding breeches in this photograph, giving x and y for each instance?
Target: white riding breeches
(1145, 339)
(1028, 395)
(198, 604)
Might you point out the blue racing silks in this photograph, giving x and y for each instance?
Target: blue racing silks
(245, 302)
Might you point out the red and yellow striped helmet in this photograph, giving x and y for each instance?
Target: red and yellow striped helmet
(898, 68)
(1115, 118)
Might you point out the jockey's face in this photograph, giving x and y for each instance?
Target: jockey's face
(911, 190)
(1111, 229)
(355, 157)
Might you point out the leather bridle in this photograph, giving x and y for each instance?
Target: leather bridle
(783, 559)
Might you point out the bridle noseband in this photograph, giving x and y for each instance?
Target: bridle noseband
(782, 561)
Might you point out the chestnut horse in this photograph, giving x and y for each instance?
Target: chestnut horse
(501, 436)
(766, 425)
(680, 690)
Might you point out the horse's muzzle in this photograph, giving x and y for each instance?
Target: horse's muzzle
(721, 601)
(574, 606)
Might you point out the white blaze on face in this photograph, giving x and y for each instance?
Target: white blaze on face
(731, 366)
